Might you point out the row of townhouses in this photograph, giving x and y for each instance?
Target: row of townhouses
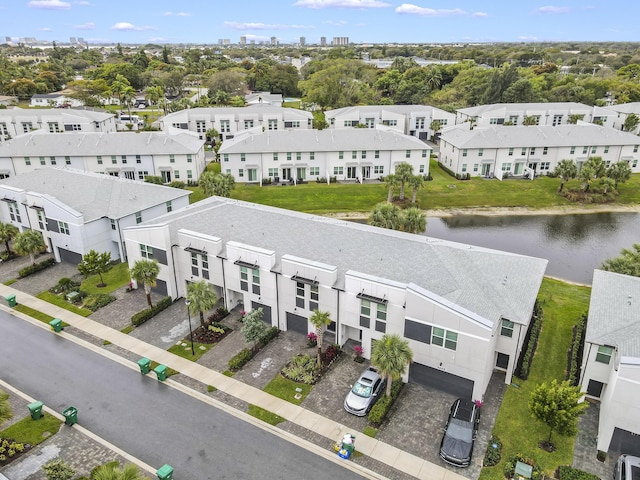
(134, 156)
(297, 156)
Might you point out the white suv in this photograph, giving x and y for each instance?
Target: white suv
(627, 468)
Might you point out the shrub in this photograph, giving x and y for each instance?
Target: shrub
(331, 353)
(267, 336)
(9, 448)
(177, 184)
(6, 256)
(141, 317)
(216, 329)
(494, 451)
(31, 269)
(218, 315)
(97, 301)
(379, 411)
(569, 473)
(302, 369)
(58, 470)
(447, 169)
(240, 359)
(531, 342)
(312, 339)
(266, 181)
(574, 355)
(64, 285)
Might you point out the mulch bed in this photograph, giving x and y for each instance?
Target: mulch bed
(204, 335)
(8, 459)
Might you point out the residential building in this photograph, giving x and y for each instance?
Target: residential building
(414, 120)
(340, 41)
(614, 116)
(8, 100)
(172, 156)
(532, 150)
(57, 99)
(300, 155)
(229, 121)
(78, 211)
(611, 360)
(255, 98)
(545, 114)
(463, 309)
(17, 121)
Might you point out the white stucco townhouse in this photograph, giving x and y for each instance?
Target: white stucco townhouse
(17, 121)
(130, 155)
(295, 156)
(78, 211)
(229, 121)
(611, 360)
(546, 114)
(414, 120)
(56, 99)
(464, 309)
(255, 98)
(614, 116)
(524, 151)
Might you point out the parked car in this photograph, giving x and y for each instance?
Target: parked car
(365, 392)
(460, 433)
(627, 468)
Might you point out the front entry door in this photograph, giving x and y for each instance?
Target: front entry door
(351, 172)
(366, 173)
(286, 173)
(533, 166)
(301, 172)
(486, 168)
(166, 176)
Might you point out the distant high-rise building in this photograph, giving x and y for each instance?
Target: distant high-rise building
(243, 40)
(340, 41)
(303, 41)
(323, 41)
(220, 41)
(226, 41)
(274, 40)
(7, 39)
(81, 40)
(72, 40)
(252, 41)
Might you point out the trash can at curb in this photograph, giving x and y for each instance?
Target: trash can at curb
(145, 365)
(56, 325)
(35, 409)
(161, 372)
(11, 300)
(70, 416)
(165, 472)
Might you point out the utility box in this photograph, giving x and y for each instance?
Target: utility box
(11, 300)
(145, 365)
(56, 325)
(165, 472)
(161, 372)
(35, 409)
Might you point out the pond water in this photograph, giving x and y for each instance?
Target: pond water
(575, 245)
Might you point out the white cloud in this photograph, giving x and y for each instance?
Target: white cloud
(83, 3)
(46, 29)
(85, 26)
(129, 27)
(410, 9)
(50, 4)
(336, 23)
(524, 38)
(261, 26)
(178, 14)
(553, 9)
(317, 4)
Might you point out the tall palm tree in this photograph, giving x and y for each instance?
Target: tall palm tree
(620, 172)
(416, 182)
(145, 272)
(413, 220)
(29, 243)
(404, 172)
(127, 94)
(7, 233)
(111, 471)
(385, 215)
(201, 297)
(391, 182)
(320, 320)
(566, 169)
(391, 355)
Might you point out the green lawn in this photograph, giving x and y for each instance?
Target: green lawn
(265, 415)
(32, 431)
(286, 389)
(185, 352)
(62, 303)
(563, 304)
(115, 278)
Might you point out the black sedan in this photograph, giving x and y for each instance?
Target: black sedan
(460, 432)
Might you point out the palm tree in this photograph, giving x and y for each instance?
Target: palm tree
(631, 122)
(219, 184)
(391, 355)
(154, 94)
(385, 215)
(111, 471)
(391, 182)
(416, 182)
(145, 272)
(320, 320)
(607, 184)
(127, 94)
(7, 233)
(201, 297)
(593, 168)
(529, 120)
(566, 169)
(404, 172)
(29, 243)
(620, 172)
(413, 220)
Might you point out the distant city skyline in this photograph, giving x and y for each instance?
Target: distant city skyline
(361, 21)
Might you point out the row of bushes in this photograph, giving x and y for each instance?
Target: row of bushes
(574, 355)
(36, 267)
(139, 318)
(531, 342)
(324, 180)
(570, 473)
(379, 411)
(218, 315)
(241, 358)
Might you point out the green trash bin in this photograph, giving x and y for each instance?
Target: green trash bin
(11, 300)
(56, 325)
(165, 472)
(161, 372)
(145, 365)
(35, 409)
(70, 416)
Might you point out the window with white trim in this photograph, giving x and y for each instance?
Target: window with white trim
(200, 265)
(506, 330)
(14, 211)
(444, 338)
(146, 251)
(378, 169)
(373, 311)
(338, 170)
(63, 227)
(314, 170)
(41, 221)
(255, 279)
(604, 354)
(138, 217)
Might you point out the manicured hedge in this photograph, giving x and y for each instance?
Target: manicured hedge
(530, 342)
(31, 269)
(379, 411)
(570, 473)
(141, 317)
(243, 356)
(574, 355)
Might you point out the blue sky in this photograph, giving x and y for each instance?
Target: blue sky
(375, 21)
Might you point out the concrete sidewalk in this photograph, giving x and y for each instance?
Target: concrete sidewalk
(381, 452)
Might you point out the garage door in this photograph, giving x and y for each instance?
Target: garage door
(297, 323)
(446, 382)
(160, 288)
(625, 442)
(69, 257)
(266, 311)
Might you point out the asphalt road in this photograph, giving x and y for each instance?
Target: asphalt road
(146, 418)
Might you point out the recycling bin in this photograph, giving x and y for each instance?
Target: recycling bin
(165, 472)
(56, 325)
(35, 409)
(70, 416)
(145, 365)
(161, 372)
(11, 300)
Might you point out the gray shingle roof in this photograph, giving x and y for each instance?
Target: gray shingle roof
(490, 283)
(631, 107)
(92, 194)
(95, 116)
(41, 143)
(378, 109)
(536, 136)
(614, 312)
(259, 108)
(321, 140)
(520, 107)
